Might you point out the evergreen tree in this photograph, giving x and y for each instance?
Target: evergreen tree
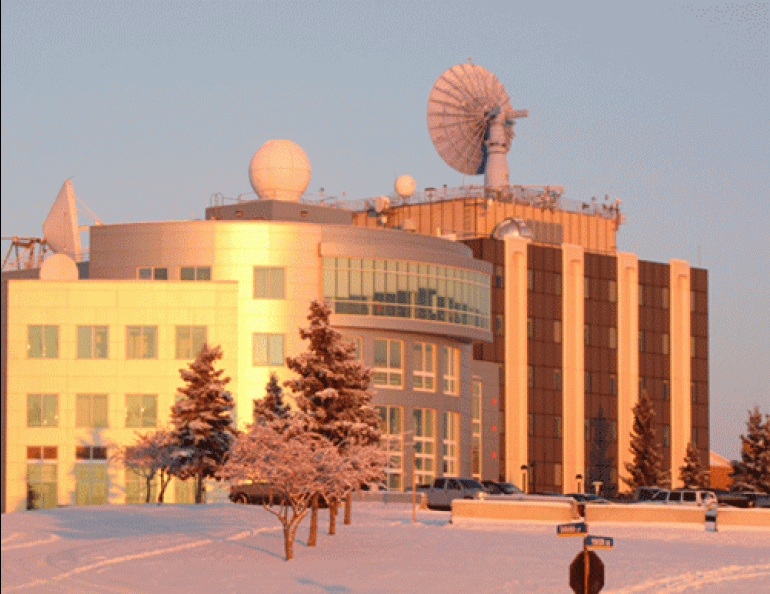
(202, 418)
(646, 469)
(752, 473)
(271, 408)
(692, 474)
(332, 392)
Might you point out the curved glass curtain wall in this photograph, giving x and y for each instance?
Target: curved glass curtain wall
(396, 289)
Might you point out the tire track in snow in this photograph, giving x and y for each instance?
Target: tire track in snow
(10, 537)
(696, 579)
(78, 570)
(34, 543)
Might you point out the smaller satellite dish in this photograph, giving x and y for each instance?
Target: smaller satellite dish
(59, 267)
(381, 203)
(60, 228)
(404, 185)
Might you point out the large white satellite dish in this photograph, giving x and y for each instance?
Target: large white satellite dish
(60, 229)
(470, 120)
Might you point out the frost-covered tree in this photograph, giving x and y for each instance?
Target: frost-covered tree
(646, 469)
(203, 423)
(692, 473)
(152, 454)
(299, 465)
(752, 472)
(332, 389)
(271, 407)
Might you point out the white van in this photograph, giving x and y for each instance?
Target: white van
(696, 497)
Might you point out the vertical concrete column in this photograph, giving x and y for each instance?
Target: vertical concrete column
(573, 400)
(628, 356)
(679, 311)
(516, 405)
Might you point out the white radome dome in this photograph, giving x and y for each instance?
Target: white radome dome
(404, 185)
(279, 170)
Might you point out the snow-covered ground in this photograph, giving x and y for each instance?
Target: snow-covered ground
(224, 548)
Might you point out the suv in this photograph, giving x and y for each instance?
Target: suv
(495, 488)
(645, 493)
(697, 497)
(261, 493)
(444, 490)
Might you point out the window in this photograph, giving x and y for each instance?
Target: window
(666, 393)
(530, 376)
(586, 381)
(694, 436)
(42, 473)
(269, 283)
(451, 369)
(43, 342)
(91, 411)
(499, 276)
(613, 384)
(141, 410)
(476, 430)
(557, 474)
(613, 338)
(136, 487)
(586, 433)
(693, 394)
(392, 428)
(641, 341)
(141, 342)
(692, 346)
(557, 283)
(530, 329)
(184, 491)
(93, 342)
(388, 363)
(424, 362)
(587, 335)
(613, 286)
(499, 325)
(189, 341)
(557, 426)
(664, 297)
(424, 444)
(267, 349)
(152, 273)
(530, 424)
(42, 410)
(641, 294)
(451, 443)
(91, 485)
(666, 435)
(557, 331)
(195, 273)
(664, 344)
(359, 344)
(557, 379)
(530, 280)
(586, 287)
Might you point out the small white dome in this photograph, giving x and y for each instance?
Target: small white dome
(404, 185)
(279, 170)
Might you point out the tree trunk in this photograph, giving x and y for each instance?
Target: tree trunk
(199, 489)
(332, 516)
(348, 507)
(313, 522)
(288, 543)
(164, 481)
(149, 487)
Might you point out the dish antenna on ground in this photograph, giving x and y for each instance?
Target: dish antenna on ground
(61, 234)
(470, 120)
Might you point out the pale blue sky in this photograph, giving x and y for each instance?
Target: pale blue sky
(151, 107)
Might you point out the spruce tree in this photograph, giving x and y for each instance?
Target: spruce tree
(271, 408)
(202, 419)
(333, 394)
(752, 473)
(692, 474)
(646, 469)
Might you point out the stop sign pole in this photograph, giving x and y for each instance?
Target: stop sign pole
(589, 542)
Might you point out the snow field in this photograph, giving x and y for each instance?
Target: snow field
(224, 548)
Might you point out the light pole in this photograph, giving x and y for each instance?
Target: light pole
(579, 478)
(524, 470)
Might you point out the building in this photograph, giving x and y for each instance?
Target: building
(90, 358)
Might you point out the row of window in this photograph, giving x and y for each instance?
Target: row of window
(93, 342)
(186, 273)
(91, 410)
(91, 479)
(424, 422)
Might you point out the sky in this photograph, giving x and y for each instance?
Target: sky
(227, 548)
(153, 107)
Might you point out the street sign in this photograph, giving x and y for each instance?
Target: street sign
(574, 529)
(595, 573)
(598, 542)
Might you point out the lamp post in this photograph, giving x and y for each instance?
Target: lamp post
(579, 478)
(524, 470)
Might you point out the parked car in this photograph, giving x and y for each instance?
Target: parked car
(697, 497)
(444, 490)
(495, 488)
(745, 500)
(587, 498)
(259, 493)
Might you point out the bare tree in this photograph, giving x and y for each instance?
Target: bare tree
(152, 454)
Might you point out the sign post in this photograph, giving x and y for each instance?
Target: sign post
(586, 572)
